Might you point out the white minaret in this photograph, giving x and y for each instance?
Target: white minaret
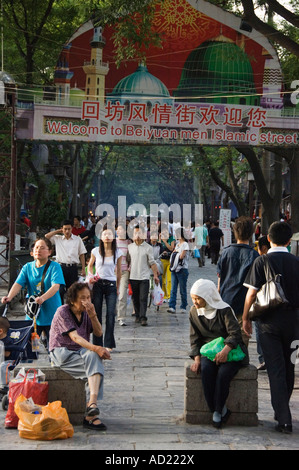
(96, 70)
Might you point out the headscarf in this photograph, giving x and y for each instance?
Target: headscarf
(208, 291)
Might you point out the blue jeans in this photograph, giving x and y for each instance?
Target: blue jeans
(105, 289)
(179, 279)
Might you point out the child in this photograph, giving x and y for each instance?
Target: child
(87, 259)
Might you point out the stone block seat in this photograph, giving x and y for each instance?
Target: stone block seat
(63, 387)
(242, 399)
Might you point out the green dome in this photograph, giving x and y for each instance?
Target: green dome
(140, 85)
(217, 71)
(76, 96)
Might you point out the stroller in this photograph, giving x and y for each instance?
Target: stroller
(20, 333)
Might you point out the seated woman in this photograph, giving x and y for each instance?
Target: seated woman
(211, 318)
(71, 350)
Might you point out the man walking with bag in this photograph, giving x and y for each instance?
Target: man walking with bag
(279, 327)
(142, 263)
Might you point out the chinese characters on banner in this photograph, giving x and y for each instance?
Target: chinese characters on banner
(182, 114)
(177, 123)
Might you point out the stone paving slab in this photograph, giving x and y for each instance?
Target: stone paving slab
(144, 396)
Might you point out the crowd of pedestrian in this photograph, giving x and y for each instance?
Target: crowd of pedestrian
(96, 263)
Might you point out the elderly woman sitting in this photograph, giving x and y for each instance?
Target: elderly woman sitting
(71, 350)
(211, 318)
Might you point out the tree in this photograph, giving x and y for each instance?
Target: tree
(247, 9)
(34, 31)
(132, 21)
(226, 169)
(270, 197)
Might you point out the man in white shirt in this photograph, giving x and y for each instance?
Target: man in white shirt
(142, 264)
(70, 252)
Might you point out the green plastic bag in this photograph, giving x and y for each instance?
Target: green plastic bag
(212, 348)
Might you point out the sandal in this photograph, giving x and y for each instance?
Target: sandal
(96, 427)
(92, 411)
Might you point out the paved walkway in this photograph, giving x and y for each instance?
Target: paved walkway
(144, 396)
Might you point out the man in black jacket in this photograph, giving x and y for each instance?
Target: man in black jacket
(278, 329)
(233, 266)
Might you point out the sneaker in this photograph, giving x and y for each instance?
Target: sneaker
(143, 323)
(122, 323)
(183, 310)
(171, 310)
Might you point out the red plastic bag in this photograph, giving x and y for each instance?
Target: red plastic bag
(28, 388)
(130, 292)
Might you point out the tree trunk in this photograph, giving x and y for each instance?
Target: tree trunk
(291, 155)
(268, 30)
(270, 203)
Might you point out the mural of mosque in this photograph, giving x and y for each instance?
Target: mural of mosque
(217, 71)
(206, 59)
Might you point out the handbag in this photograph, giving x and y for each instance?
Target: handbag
(271, 294)
(176, 264)
(196, 253)
(32, 308)
(212, 348)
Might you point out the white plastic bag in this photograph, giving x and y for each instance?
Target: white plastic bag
(158, 295)
(38, 375)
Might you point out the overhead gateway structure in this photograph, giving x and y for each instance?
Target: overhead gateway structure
(213, 82)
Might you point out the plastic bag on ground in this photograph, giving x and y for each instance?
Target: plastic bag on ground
(45, 423)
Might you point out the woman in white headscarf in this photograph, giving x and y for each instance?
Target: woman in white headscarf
(211, 318)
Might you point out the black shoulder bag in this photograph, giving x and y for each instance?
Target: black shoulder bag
(270, 296)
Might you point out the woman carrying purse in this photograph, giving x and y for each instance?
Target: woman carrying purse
(31, 277)
(107, 259)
